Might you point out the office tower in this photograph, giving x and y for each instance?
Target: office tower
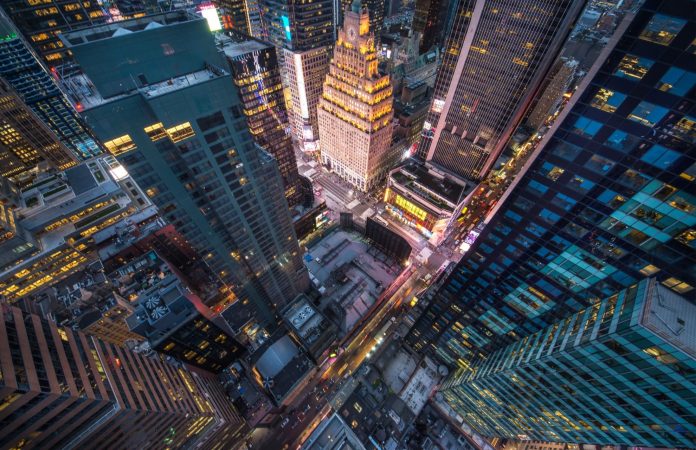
(63, 389)
(54, 226)
(179, 129)
(302, 33)
(38, 89)
(607, 199)
(42, 22)
(496, 56)
(551, 93)
(356, 108)
(25, 141)
(375, 9)
(619, 372)
(255, 70)
(240, 16)
(171, 316)
(429, 20)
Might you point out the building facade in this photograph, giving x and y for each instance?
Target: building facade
(257, 76)
(182, 134)
(26, 142)
(357, 107)
(302, 33)
(429, 21)
(552, 92)
(375, 10)
(495, 58)
(607, 199)
(42, 22)
(23, 72)
(63, 389)
(619, 372)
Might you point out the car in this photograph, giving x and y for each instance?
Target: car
(285, 422)
(307, 408)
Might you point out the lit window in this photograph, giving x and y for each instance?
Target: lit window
(180, 132)
(647, 114)
(555, 173)
(686, 128)
(607, 100)
(649, 270)
(677, 81)
(662, 29)
(677, 285)
(633, 67)
(156, 131)
(120, 145)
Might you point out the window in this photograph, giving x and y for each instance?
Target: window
(676, 81)
(633, 67)
(685, 128)
(647, 114)
(660, 156)
(120, 145)
(607, 100)
(566, 151)
(156, 132)
(677, 285)
(554, 173)
(662, 29)
(649, 270)
(599, 164)
(621, 141)
(180, 132)
(580, 184)
(586, 127)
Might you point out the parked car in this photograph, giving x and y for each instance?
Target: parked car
(285, 422)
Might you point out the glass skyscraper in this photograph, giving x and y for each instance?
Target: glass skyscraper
(608, 199)
(619, 372)
(157, 92)
(38, 89)
(495, 57)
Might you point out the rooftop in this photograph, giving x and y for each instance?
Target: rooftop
(333, 434)
(281, 365)
(115, 29)
(85, 95)
(233, 48)
(442, 191)
(670, 316)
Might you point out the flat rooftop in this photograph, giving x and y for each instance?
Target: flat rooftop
(82, 91)
(351, 272)
(233, 47)
(417, 178)
(670, 316)
(106, 31)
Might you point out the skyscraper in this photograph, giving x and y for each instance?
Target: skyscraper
(607, 199)
(25, 141)
(495, 57)
(42, 21)
(241, 16)
(172, 115)
(619, 372)
(429, 20)
(375, 9)
(356, 108)
(38, 89)
(63, 389)
(255, 69)
(302, 33)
